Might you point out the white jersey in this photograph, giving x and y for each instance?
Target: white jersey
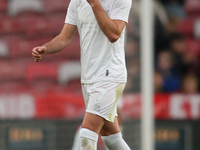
(101, 60)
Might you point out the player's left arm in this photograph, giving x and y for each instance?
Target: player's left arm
(111, 28)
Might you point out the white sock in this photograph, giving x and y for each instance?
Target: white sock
(121, 129)
(88, 139)
(115, 142)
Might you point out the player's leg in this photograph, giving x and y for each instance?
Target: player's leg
(87, 123)
(100, 112)
(120, 116)
(110, 131)
(120, 111)
(91, 127)
(112, 136)
(76, 142)
(91, 124)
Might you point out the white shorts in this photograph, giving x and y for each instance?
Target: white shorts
(101, 98)
(120, 102)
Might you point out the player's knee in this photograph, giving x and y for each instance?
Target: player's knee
(108, 131)
(90, 125)
(104, 132)
(110, 128)
(92, 122)
(115, 142)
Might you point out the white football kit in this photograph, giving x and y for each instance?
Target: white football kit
(101, 60)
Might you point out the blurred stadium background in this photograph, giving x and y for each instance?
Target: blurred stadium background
(41, 105)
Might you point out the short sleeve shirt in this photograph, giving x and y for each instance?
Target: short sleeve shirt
(101, 60)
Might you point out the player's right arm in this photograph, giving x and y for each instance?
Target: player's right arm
(57, 44)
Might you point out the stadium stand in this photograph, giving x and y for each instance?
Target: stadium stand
(42, 71)
(186, 26)
(193, 46)
(52, 6)
(31, 23)
(3, 6)
(13, 87)
(56, 92)
(192, 7)
(10, 25)
(20, 46)
(12, 70)
(48, 25)
(24, 25)
(34, 22)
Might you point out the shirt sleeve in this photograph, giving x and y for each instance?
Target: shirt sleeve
(71, 13)
(121, 10)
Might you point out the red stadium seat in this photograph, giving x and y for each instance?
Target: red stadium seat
(20, 47)
(54, 6)
(41, 86)
(193, 46)
(16, 25)
(48, 25)
(74, 86)
(32, 24)
(10, 25)
(45, 86)
(186, 26)
(3, 5)
(192, 7)
(12, 70)
(41, 71)
(11, 87)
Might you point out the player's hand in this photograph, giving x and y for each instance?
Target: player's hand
(39, 52)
